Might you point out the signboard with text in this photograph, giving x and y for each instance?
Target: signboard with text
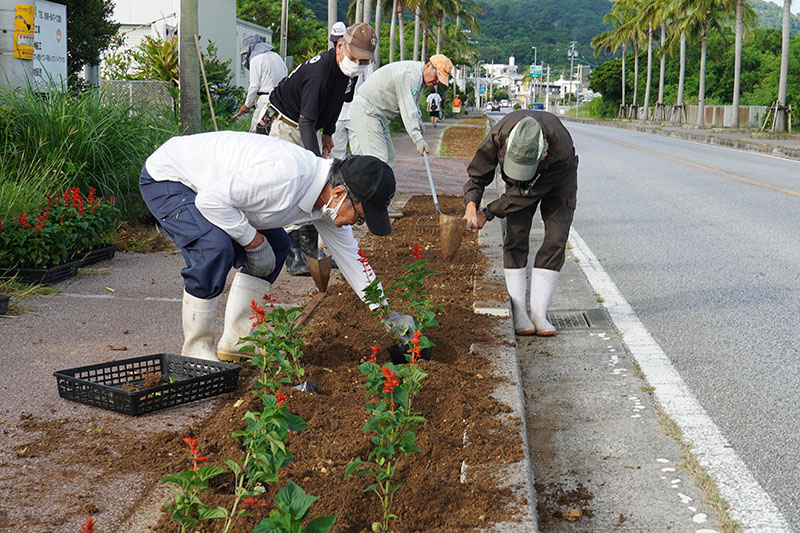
(50, 44)
(23, 31)
(536, 71)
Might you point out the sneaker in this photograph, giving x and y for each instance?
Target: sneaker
(394, 213)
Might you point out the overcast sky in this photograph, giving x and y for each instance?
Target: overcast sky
(795, 5)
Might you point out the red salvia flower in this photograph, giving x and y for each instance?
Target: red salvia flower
(391, 380)
(365, 266)
(88, 527)
(415, 350)
(270, 300)
(22, 220)
(254, 501)
(192, 444)
(258, 313)
(417, 252)
(373, 357)
(92, 198)
(280, 397)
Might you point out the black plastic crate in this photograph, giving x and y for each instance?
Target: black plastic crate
(102, 253)
(100, 385)
(46, 276)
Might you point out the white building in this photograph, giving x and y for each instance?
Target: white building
(217, 22)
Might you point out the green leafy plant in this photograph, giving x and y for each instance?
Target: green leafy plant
(291, 507)
(392, 425)
(410, 288)
(275, 345)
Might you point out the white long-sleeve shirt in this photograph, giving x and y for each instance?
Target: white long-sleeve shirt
(394, 90)
(247, 182)
(266, 70)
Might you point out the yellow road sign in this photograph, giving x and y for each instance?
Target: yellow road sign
(23, 31)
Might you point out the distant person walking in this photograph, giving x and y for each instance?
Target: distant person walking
(539, 167)
(433, 102)
(266, 70)
(456, 106)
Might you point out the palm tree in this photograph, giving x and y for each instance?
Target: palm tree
(417, 23)
(378, 19)
(402, 27)
(632, 31)
(780, 122)
(189, 68)
(332, 10)
(745, 19)
(610, 41)
(700, 16)
(462, 10)
(393, 29)
(657, 13)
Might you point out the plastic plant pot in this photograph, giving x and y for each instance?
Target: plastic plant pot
(400, 354)
(4, 299)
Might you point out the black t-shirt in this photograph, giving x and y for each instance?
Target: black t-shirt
(316, 89)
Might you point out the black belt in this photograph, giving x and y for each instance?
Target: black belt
(262, 94)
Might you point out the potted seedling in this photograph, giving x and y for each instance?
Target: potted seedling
(413, 300)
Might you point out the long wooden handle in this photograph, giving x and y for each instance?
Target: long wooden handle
(205, 81)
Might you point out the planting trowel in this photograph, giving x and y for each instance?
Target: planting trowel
(320, 269)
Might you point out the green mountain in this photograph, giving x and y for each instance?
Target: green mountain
(771, 16)
(513, 27)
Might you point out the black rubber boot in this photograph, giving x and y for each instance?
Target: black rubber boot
(308, 240)
(295, 264)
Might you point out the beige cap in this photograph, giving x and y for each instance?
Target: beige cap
(360, 39)
(443, 67)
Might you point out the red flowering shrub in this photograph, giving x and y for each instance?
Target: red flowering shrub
(68, 224)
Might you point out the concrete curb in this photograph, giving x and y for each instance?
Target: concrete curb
(688, 135)
(505, 363)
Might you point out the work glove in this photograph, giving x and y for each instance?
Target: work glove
(422, 146)
(260, 261)
(402, 325)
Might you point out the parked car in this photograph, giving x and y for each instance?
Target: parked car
(492, 106)
(504, 103)
(536, 105)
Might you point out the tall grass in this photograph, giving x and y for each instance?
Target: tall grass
(67, 138)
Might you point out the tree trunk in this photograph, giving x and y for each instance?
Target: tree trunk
(417, 17)
(359, 11)
(661, 73)
(681, 79)
(635, 107)
(189, 69)
(401, 26)
(624, 50)
(393, 30)
(284, 27)
(439, 24)
(378, 18)
(781, 121)
(332, 9)
(424, 52)
(645, 114)
(737, 64)
(701, 92)
(367, 11)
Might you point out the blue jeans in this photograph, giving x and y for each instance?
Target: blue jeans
(208, 251)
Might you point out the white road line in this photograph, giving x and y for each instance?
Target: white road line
(112, 297)
(750, 505)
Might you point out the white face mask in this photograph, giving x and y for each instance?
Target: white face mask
(349, 67)
(332, 212)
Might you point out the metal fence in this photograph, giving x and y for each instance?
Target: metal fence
(139, 94)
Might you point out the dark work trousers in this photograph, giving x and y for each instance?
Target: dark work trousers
(556, 196)
(208, 251)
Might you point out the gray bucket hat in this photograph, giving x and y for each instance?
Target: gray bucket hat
(524, 148)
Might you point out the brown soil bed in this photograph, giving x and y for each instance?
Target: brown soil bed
(455, 400)
(462, 141)
(473, 120)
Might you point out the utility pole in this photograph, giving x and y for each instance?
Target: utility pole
(284, 26)
(189, 69)
(547, 91)
(572, 53)
(533, 80)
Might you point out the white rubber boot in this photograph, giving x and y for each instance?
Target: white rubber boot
(543, 285)
(199, 318)
(244, 289)
(517, 286)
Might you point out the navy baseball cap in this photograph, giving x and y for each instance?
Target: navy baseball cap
(372, 182)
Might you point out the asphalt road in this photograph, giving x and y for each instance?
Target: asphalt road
(703, 243)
